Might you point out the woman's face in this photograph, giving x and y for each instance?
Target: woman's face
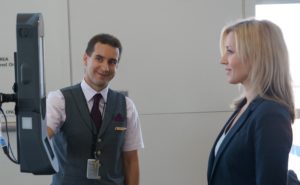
(236, 70)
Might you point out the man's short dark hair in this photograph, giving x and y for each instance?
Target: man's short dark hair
(104, 39)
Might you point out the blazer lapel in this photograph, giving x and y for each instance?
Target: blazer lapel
(212, 157)
(240, 122)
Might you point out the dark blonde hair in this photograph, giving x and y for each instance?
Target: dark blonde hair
(261, 43)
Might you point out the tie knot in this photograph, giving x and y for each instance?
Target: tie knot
(97, 98)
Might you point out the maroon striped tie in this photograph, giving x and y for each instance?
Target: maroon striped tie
(95, 112)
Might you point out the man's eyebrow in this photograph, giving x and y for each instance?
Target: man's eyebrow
(99, 55)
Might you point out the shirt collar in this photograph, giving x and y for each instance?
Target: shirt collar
(89, 92)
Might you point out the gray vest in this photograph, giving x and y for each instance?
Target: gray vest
(78, 139)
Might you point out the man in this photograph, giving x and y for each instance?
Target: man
(96, 131)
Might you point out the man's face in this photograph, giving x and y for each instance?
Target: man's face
(101, 66)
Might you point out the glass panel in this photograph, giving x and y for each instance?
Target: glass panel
(288, 19)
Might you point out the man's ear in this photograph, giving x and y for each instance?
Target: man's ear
(85, 59)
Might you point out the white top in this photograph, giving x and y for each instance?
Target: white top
(226, 131)
(221, 139)
(56, 114)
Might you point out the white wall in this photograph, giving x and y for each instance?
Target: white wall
(276, 1)
(170, 67)
(171, 53)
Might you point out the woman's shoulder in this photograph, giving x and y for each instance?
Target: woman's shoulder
(266, 108)
(268, 105)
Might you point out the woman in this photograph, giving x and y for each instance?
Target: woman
(253, 146)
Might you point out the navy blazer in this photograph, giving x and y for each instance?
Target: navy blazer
(255, 151)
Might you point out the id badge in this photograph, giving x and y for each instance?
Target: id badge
(93, 169)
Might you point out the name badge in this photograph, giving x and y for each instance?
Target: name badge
(93, 166)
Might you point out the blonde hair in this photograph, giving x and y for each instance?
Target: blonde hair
(261, 43)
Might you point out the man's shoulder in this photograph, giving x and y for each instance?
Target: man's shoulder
(124, 95)
(70, 88)
(116, 91)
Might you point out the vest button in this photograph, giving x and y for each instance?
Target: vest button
(98, 152)
(99, 140)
